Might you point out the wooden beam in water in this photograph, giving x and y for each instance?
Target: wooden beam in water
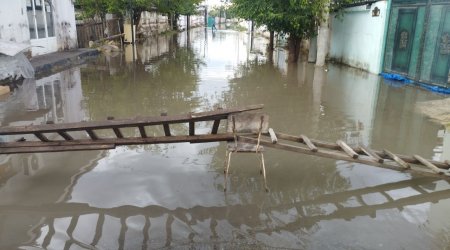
(334, 146)
(338, 155)
(215, 128)
(191, 128)
(123, 141)
(158, 120)
(48, 149)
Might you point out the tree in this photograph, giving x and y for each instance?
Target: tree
(91, 9)
(297, 18)
(175, 8)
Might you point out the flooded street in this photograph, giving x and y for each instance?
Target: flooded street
(171, 196)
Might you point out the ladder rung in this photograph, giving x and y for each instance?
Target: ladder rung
(397, 159)
(347, 149)
(428, 164)
(65, 135)
(41, 137)
(309, 143)
(372, 154)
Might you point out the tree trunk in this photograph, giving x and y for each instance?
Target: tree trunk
(271, 39)
(323, 39)
(188, 22)
(294, 48)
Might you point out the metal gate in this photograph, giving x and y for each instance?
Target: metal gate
(418, 40)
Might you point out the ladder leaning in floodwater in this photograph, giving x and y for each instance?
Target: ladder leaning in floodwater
(298, 144)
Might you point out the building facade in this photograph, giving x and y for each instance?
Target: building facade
(47, 25)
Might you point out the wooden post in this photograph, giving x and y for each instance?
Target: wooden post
(92, 134)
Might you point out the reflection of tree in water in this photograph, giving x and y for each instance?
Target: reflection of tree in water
(170, 86)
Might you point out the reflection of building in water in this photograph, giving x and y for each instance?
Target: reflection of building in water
(56, 98)
(64, 225)
(442, 151)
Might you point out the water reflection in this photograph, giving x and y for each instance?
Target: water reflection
(158, 196)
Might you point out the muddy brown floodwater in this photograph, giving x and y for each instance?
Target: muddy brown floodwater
(171, 196)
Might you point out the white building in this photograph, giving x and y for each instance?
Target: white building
(48, 25)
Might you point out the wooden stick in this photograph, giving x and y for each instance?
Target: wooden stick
(215, 126)
(307, 141)
(400, 162)
(124, 141)
(372, 154)
(273, 137)
(41, 137)
(65, 135)
(118, 132)
(347, 149)
(191, 128)
(142, 131)
(429, 164)
(166, 126)
(92, 134)
(54, 149)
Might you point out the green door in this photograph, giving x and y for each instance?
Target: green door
(404, 37)
(440, 67)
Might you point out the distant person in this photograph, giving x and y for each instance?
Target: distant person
(213, 25)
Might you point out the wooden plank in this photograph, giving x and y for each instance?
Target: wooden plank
(429, 164)
(191, 128)
(118, 132)
(41, 137)
(48, 149)
(92, 134)
(142, 131)
(334, 146)
(166, 126)
(148, 121)
(123, 141)
(372, 154)
(307, 141)
(273, 136)
(65, 135)
(397, 159)
(347, 149)
(215, 128)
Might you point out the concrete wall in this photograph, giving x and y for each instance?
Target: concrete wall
(14, 26)
(357, 37)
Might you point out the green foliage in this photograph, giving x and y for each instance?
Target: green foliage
(178, 7)
(297, 18)
(92, 8)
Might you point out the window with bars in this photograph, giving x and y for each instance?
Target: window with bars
(40, 18)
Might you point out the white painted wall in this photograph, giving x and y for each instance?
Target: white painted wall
(65, 25)
(357, 37)
(14, 21)
(14, 26)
